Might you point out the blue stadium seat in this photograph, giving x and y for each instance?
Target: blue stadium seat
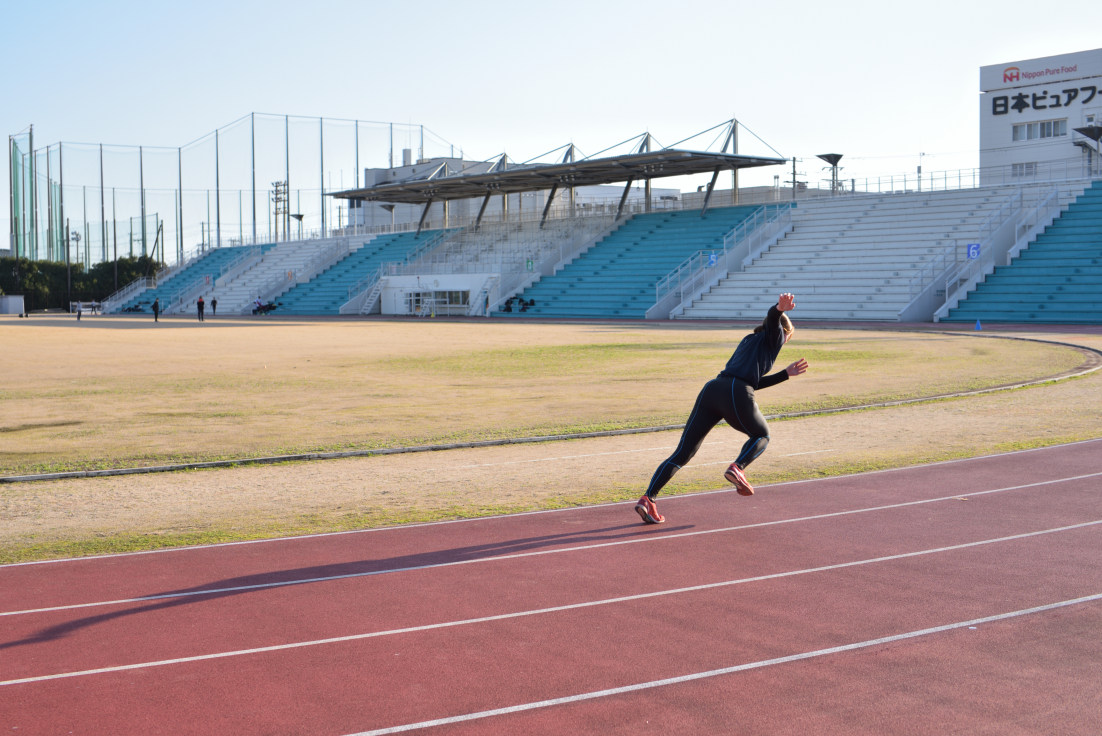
(326, 292)
(204, 270)
(616, 278)
(1057, 279)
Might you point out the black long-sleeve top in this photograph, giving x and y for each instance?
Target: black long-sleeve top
(756, 354)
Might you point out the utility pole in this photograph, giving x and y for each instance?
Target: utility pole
(795, 183)
(279, 199)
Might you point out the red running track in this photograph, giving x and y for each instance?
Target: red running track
(962, 597)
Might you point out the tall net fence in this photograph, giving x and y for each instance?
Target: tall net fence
(260, 179)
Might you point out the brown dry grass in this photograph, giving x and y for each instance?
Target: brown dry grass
(141, 393)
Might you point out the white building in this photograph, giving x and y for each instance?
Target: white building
(1029, 111)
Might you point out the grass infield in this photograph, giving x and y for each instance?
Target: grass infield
(124, 392)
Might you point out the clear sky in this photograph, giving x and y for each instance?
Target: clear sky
(878, 81)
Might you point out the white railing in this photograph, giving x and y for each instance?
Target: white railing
(323, 260)
(1003, 243)
(242, 262)
(185, 297)
(126, 293)
(950, 258)
(740, 246)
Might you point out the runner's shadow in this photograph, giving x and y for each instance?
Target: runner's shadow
(323, 573)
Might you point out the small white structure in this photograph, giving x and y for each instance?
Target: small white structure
(1029, 111)
(11, 304)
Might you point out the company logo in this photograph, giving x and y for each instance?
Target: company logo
(1012, 74)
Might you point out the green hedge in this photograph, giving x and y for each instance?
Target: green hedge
(52, 285)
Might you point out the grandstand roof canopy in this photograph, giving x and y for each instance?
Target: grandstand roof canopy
(536, 177)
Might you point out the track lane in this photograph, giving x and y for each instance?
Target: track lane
(581, 647)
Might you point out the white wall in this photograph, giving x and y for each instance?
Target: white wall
(1054, 88)
(392, 299)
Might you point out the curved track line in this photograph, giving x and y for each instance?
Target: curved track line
(474, 519)
(520, 555)
(1092, 364)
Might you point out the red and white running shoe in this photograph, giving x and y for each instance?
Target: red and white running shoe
(734, 475)
(649, 511)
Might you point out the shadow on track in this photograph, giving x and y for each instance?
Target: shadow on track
(324, 573)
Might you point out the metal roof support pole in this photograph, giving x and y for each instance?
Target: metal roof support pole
(711, 187)
(732, 138)
(624, 198)
(424, 214)
(547, 207)
(647, 203)
(482, 210)
(569, 158)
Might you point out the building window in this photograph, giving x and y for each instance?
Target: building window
(1023, 170)
(438, 302)
(1043, 129)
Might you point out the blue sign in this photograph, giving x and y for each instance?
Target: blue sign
(973, 251)
(712, 259)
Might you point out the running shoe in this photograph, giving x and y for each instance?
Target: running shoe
(734, 475)
(649, 511)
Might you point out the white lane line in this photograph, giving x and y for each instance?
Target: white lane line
(553, 609)
(560, 458)
(477, 519)
(731, 670)
(520, 555)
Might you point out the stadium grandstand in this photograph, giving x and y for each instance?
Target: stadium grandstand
(586, 237)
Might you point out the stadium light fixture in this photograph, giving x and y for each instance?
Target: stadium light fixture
(832, 159)
(1094, 132)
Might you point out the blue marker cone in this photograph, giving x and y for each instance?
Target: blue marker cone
(978, 325)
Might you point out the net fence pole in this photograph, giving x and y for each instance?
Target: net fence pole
(33, 228)
(141, 187)
(11, 197)
(217, 197)
(179, 205)
(286, 163)
(102, 208)
(252, 144)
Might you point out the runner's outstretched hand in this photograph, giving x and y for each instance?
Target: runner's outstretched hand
(786, 302)
(796, 368)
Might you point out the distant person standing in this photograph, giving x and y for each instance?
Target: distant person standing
(200, 305)
(156, 310)
(213, 306)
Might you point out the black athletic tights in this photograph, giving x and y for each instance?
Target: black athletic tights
(724, 398)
